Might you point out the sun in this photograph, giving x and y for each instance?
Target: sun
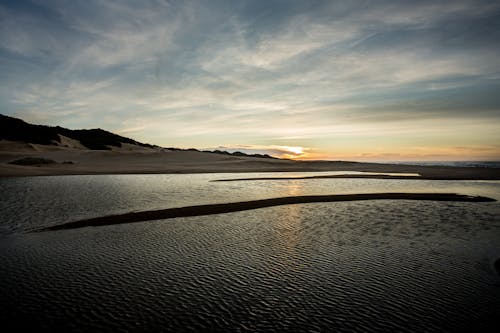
(295, 150)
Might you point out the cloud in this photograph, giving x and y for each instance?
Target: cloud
(259, 73)
(289, 152)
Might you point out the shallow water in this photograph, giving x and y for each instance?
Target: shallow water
(34, 202)
(347, 266)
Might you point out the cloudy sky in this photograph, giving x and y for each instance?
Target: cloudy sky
(357, 80)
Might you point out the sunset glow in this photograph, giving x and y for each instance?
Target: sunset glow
(385, 80)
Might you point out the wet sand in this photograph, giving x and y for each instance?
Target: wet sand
(200, 210)
(362, 176)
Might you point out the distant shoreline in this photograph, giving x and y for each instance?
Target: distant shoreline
(54, 171)
(140, 160)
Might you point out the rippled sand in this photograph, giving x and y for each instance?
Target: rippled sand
(368, 266)
(404, 266)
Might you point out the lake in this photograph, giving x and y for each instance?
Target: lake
(367, 266)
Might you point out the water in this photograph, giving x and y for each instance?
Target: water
(346, 266)
(31, 203)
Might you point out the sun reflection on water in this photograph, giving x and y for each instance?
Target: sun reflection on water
(288, 235)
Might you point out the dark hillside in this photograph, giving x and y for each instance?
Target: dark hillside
(14, 129)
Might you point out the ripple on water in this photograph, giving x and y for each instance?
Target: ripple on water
(32, 203)
(371, 266)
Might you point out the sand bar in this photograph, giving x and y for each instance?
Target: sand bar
(362, 176)
(200, 210)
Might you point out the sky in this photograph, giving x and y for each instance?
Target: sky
(337, 80)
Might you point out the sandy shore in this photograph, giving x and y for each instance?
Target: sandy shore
(200, 210)
(130, 160)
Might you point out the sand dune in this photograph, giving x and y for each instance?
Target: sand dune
(143, 160)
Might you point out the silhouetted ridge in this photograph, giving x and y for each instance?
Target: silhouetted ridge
(14, 129)
(223, 152)
(98, 139)
(238, 153)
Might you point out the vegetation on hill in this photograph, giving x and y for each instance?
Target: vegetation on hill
(239, 153)
(14, 129)
(32, 161)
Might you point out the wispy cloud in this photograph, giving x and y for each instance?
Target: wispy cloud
(290, 152)
(300, 73)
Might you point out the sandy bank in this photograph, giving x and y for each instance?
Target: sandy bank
(255, 204)
(361, 176)
(150, 161)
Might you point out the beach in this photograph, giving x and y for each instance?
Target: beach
(131, 159)
(142, 238)
(304, 254)
(250, 166)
